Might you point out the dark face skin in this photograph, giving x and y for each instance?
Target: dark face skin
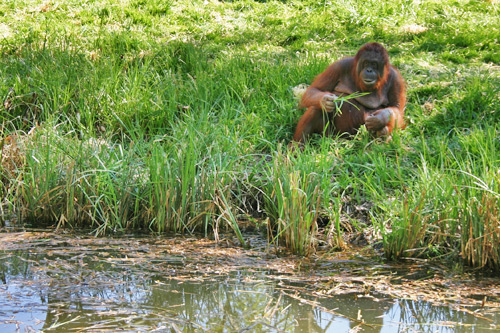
(370, 69)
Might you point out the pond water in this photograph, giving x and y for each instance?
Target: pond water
(65, 283)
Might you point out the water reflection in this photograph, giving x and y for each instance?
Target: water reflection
(91, 291)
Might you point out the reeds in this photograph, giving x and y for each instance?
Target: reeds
(452, 208)
(114, 187)
(293, 200)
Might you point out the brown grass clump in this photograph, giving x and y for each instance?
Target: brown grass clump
(12, 155)
(414, 29)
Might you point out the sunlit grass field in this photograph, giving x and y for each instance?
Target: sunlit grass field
(176, 116)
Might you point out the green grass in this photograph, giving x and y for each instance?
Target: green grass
(174, 115)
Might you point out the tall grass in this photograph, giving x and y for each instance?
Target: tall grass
(479, 197)
(293, 200)
(188, 190)
(451, 209)
(171, 116)
(156, 185)
(88, 183)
